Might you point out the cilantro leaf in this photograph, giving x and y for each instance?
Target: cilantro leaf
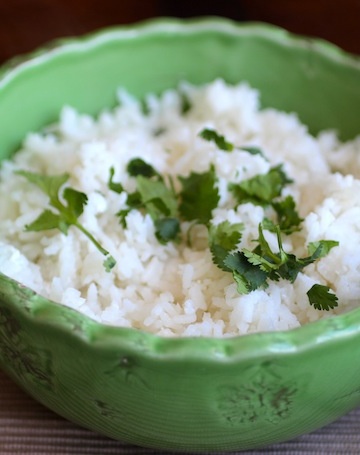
(47, 220)
(213, 136)
(145, 106)
(261, 189)
(277, 264)
(122, 214)
(321, 297)
(223, 238)
(67, 213)
(167, 229)
(138, 166)
(199, 196)
(220, 141)
(50, 185)
(242, 284)
(252, 150)
(75, 201)
(222, 144)
(288, 217)
(156, 197)
(321, 248)
(247, 276)
(185, 103)
(113, 186)
(293, 265)
(133, 201)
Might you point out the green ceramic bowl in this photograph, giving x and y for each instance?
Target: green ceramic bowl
(185, 394)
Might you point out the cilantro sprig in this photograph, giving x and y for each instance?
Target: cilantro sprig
(195, 201)
(68, 206)
(223, 239)
(288, 218)
(223, 144)
(262, 189)
(152, 196)
(266, 190)
(253, 269)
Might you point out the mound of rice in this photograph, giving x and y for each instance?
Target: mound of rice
(176, 290)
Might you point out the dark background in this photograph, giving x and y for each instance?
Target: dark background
(27, 24)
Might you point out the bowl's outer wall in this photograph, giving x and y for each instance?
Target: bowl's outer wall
(204, 394)
(157, 392)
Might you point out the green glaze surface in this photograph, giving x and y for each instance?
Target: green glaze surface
(186, 394)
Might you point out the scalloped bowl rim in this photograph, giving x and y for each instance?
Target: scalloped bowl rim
(91, 40)
(47, 312)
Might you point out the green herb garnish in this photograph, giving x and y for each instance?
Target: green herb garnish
(261, 189)
(248, 277)
(223, 144)
(67, 213)
(252, 150)
(252, 269)
(138, 166)
(152, 196)
(224, 238)
(195, 201)
(220, 141)
(321, 297)
(160, 202)
(199, 196)
(288, 217)
(185, 103)
(117, 187)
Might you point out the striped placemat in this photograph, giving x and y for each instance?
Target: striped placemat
(27, 427)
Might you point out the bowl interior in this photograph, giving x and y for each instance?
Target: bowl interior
(310, 77)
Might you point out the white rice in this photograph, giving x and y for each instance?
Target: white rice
(175, 290)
